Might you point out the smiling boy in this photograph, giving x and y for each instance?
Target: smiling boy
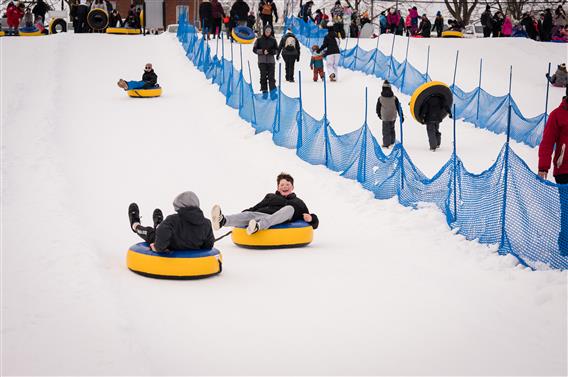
(280, 207)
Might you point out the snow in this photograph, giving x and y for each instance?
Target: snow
(384, 289)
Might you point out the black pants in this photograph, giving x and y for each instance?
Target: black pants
(486, 32)
(147, 233)
(267, 76)
(434, 135)
(216, 25)
(339, 29)
(289, 61)
(388, 133)
(563, 192)
(266, 19)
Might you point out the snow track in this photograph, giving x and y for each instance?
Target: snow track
(382, 290)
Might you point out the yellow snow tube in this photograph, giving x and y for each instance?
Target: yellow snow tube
(452, 34)
(180, 264)
(425, 91)
(145, 93)
(123, 30)
(2, 33)
(295, 234)
(36, 33)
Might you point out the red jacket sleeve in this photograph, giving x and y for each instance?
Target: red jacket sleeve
(549, 137)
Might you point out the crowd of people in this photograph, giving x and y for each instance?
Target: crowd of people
(28, 19)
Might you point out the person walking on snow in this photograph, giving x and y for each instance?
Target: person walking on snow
(278, 208)
(330, 47)
(266, 47)
(266, 8)
(149, 80)
(388, 107)
(433, 111)
(187, 229)
(289, 48)
(316, 63)
(555, 139)
(205, 18)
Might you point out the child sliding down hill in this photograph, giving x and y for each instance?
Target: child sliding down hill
(149, 80)
(278, 208)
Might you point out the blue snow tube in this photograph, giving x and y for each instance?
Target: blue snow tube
(179, 264)
(243, 34)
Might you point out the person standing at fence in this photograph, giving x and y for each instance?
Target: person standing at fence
(507, 29)
(306, 11)
(555, 138)
(40, 9)
(266, 47)
(393, 19)
(330, 47)
(433, 111)
(425, 26)
(486, 22)
(217, 15)
(266, 8)
(289, 48)
(238, 15)
(438, 24)
(560, 77)
(497, 24)
(205, 18)
(388, 107)
(337, 18)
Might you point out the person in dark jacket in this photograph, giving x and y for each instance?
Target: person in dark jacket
(81, 15)
(251, 20)
(133, 19)
(205, 17)
(40, 9)
(289, 48)
(330, 47)
(438, 24)
(149, 80)
(388, 107)
(433, 111)
(425, 26)
(188, 229)
(237, 16)
(555, 139)
(528, 22)
(278, 208)
(497, 24)
(114, 19)
(547, 25)
(217, 14)
(266, 47)
(306, 11)
(486, 19)
(266, 9)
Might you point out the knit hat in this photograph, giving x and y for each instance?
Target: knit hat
(562, 66)
(386, 84)
(315, 47)
(186, 199)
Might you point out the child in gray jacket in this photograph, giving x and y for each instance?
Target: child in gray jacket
(387, 109)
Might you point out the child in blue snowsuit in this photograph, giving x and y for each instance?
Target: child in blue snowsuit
(149, 80)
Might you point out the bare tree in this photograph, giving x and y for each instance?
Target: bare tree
(461, 10)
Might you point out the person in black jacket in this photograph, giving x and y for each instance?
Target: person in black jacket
(149, 80)
(278, 208)
(438, 24)
(266, 47)
(40, 9)
(206, 17)
(266, 8)
(547, 24)
(425, 26)
(289, 48)
(433, 111)
(486, 22)
(188, 229)
(330, 47)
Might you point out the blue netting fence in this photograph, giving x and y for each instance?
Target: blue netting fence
(477, 107)
(507, 204)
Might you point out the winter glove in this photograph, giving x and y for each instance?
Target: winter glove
(276, 19)
(298, 59)
(277, 56)
(547, 75)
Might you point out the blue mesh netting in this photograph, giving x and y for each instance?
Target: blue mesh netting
(505, 205)
(493, 115)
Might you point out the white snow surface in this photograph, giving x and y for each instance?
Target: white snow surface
(383, 289)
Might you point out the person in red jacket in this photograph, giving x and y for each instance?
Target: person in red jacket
(13, 16)
(555, 137)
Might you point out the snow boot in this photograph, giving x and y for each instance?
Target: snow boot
(273, 95)
(217, 218)
(264, 95)
(122, 84)
(332, 77)
(133, 215)
(252, 227)
(157, 217)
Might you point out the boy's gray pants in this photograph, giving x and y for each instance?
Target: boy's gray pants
(264, 220)
(388, 133)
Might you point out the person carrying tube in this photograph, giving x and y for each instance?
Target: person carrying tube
(433, 110)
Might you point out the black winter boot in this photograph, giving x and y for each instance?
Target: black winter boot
(157, 217)
(133, 215)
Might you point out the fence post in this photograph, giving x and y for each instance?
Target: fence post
(405, 64)
(252, 94)
(506, 168)
(341, 56)
(301, 112)
(455, 169)
(391, 58)
(401, 149)
(242, 79)
(479, 87)
(547, 89)
(278, 106)
(361, 171)
(455, 71)
(217, 47)
(325, 119)
(356, 49)
(375, 56)
(241, 52)
(427, 64)
(222, 58)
